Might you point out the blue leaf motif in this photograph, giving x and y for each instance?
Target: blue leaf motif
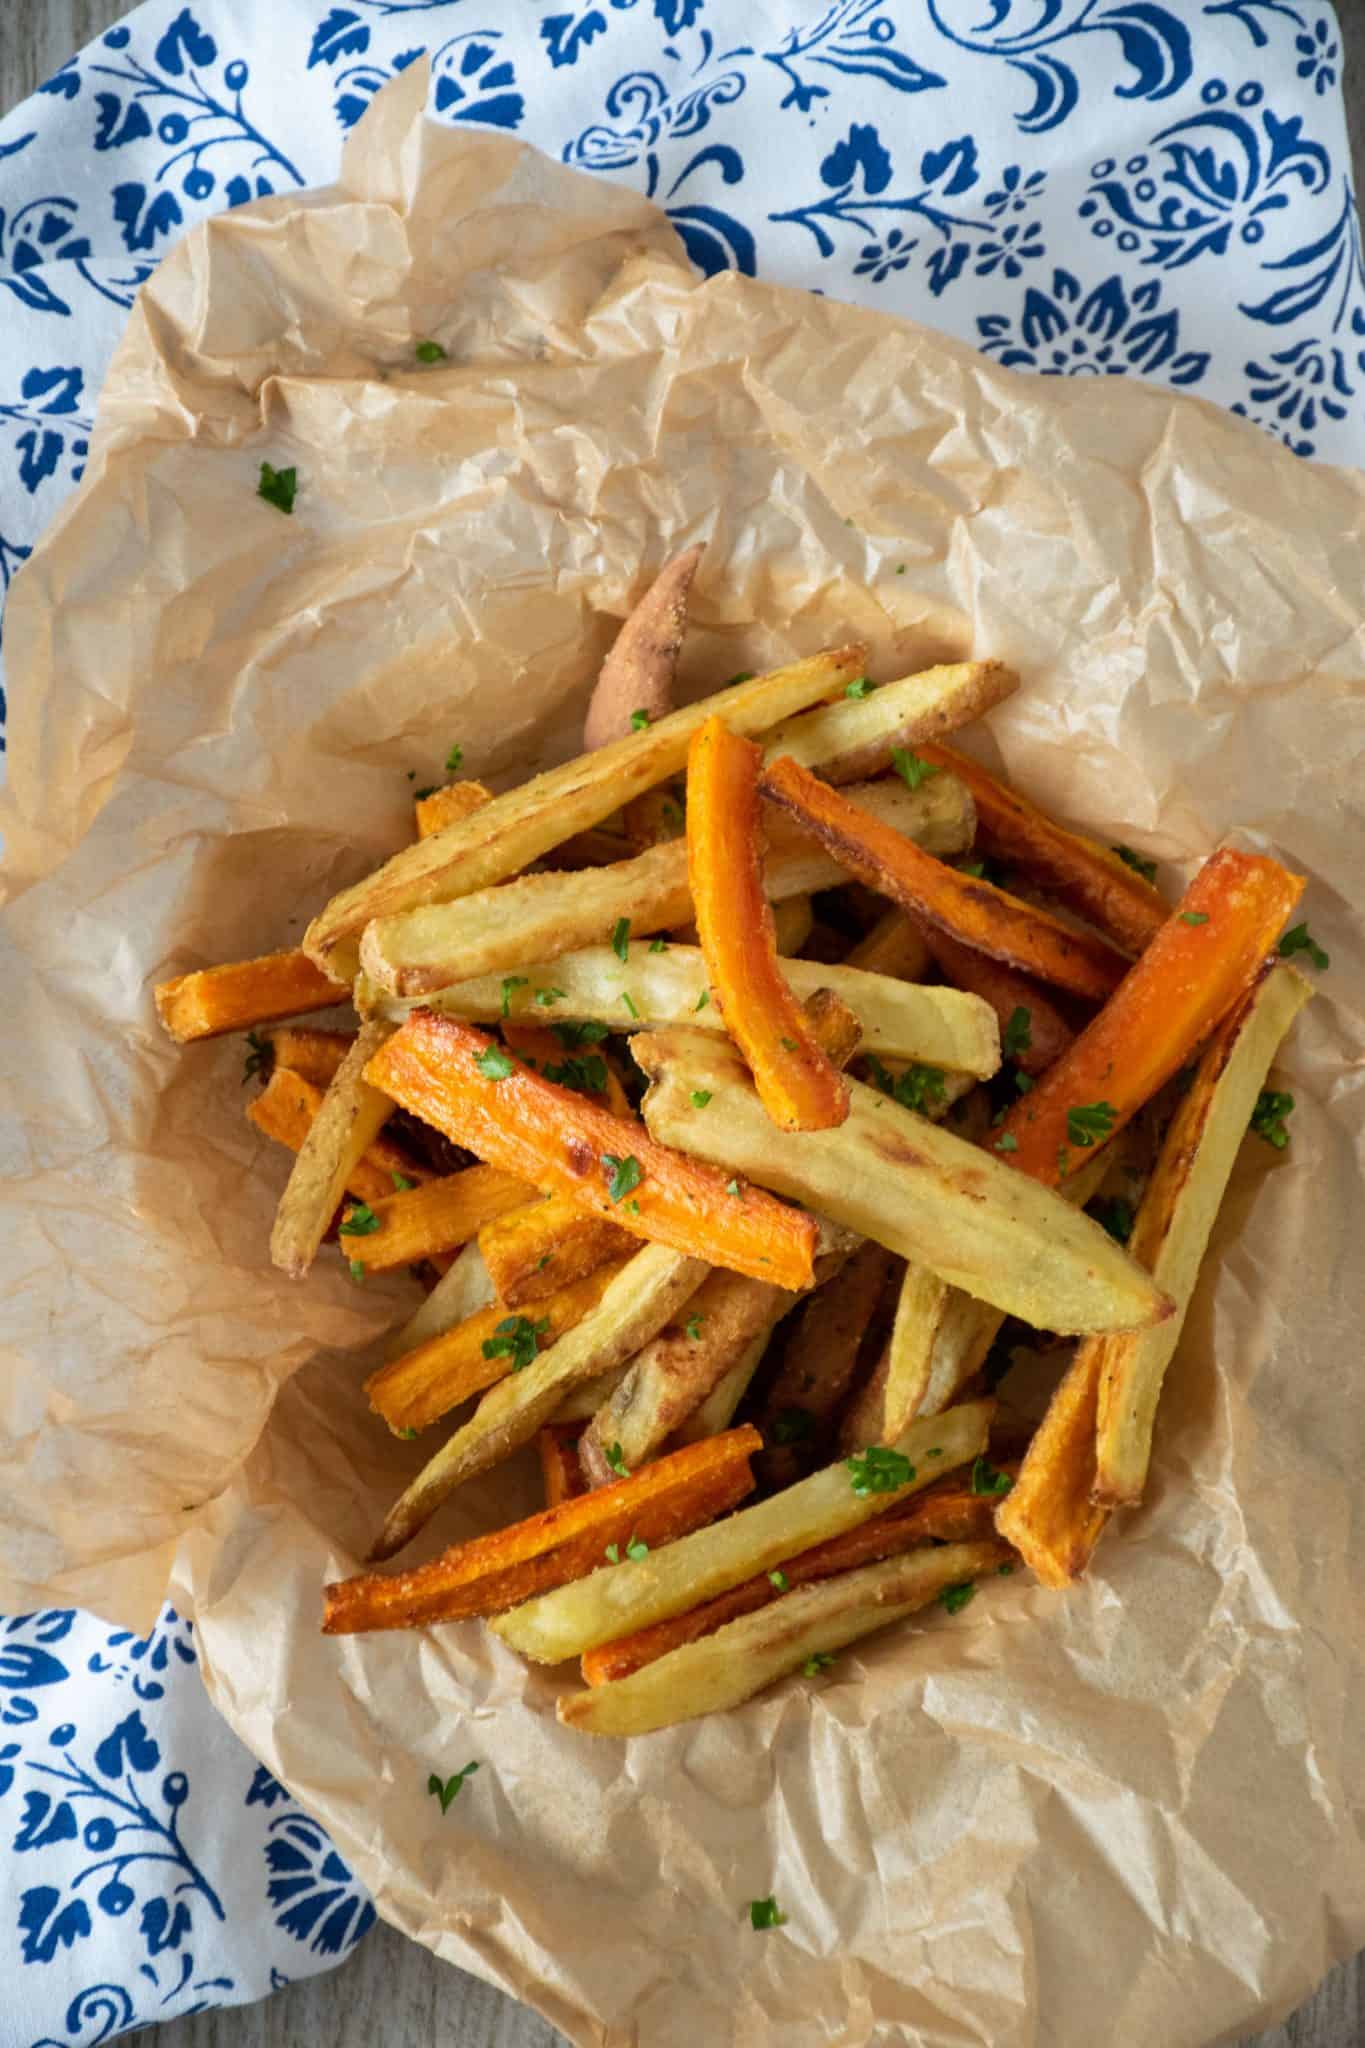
(163, 1929)
(185, 38)
(714, 240)
(60, 390)
(63, 84)
(110, 132)
(11, 1749)
(140, 229)
(131, 1742)
(862, 150)
(265, 1790)
(23, 1665)
(677, 14)
(1157, 45)
(339, 34)
(44, 1822)
(565, 36)
(45, 1931)
(947, 263)
(958, 158)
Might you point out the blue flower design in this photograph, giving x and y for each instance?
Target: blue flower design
(139, 1658)
(1105, 333)
(855, 37)
(1318, 52)
(48, 395)
(475, 83)
(317, 1899)
(1152, 39)
(647, 114)
(1296, 390)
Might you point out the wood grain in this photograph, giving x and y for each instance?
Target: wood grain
(391, 1993)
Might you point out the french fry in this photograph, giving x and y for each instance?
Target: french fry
(895, 946)
(440, 1069)
(797, 1085)
(897, 1391)
(964, 906)
(793, 923)
(534, 1250)
(818, 1362)
(676, 1370)
(352, 1114)
(1199, 965)
(615, 1603)
(948, 1513)
(539, 916)
(721, 1405)
(1048, 1514)
(285, 1109)
(935, 1027)
(243, 994)
(491, 1573)
(460, 1293)
(855, 737)
(1087, 877)
(1174, 1219)
(448, 805)
(415, 1390)
(650, 1288)
(314, 1055)
(408, 1225)
(598, 847)
(582, 1402)
(742, 1658)
(901, 1180)
(637, 676)
(560, 1472)
(1007, 993)
(517, 828)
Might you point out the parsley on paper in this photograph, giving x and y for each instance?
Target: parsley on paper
(616, 1458)
(510, 984)
(493, 1063)
(430, 352)
(955, 1598)
(793, 1426)
(1145, 868)
(1017, 1035)
(1301, 940)
(454, 759)
(878, 1470)
(700, 1097)
(260, 1057)
(517, 1338)
(1268, 1117)
(910, 768)
(620, 939)
(764, 1913)
(447, 1791)
(625, 1174)
(278, 487)
(819, 1661)
(987, 1481)
(1087, 1121)
(359, 1222)
(639, 720)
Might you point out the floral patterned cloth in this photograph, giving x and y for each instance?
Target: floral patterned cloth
(1079, 187)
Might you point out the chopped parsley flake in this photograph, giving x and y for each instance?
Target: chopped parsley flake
(659, 945)
(763, 1913)
(1017, 1035)
(1268, 1117)
(628, 999)
(693, 1327)
(356, 1268)
(517, 1338)
(818, 1662)
(620, 938)
(447, 1791)
(863, 687)
(732, 1187)
(454, 759)
(545, 997)
(1145, 868)
(1116, 1217)
(493, 1063)
(636, 1549)
(988, 1481)
(625, 1175)
(616, 1458)
(1006, 1143)
(703, 999)
(1301, 940)
(954, 1598)
(510, 984)
(571, 1036)
(700, 1097)
(639, 720)
(278, 487)
(911, 769)
(1194, 917)
(360, 1221)
(430, 352)
(401, 1182)
(878, 1470)
(1087, 1121)
(780, 1580)
(587, 1075)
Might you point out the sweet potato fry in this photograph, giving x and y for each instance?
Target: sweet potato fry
(312, 1054)
(676, 1370)
(1007, 993)
(638, 674)
(589, 1071)
(243, 994)
(1199, 965)
(895, 946)
(458, 1080)
(560, 1471)
(639, 1300)
(1081, 873)
(417, 1389)
(964, 906)
(854, 737)
(521, 825)
(447, 806)
(1049, 1515)
(1176, 1215)
(408, 1225)
(286, 1107)
(740, 1659)
(948, 1513)
(534, 1250)
(800, 1089)
(352, 1114)
(491, 1573)
(818, 1363)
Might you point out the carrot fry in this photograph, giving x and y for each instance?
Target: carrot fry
(798, 1086)
(447, 806)
(534, 1250)
(286, 1107)
(452, 1075)
(410, 1224)
(590, 1072)
(313, 1054)
(964, 906)
(1048, 1515)
(425, 1384)
(1200, 964)
(668, 1499)
(1087, 877)
(951, 1513)
(1007, 993)
(243, 994)
(560, 1470)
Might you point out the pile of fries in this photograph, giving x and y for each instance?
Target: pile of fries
(740, 1092)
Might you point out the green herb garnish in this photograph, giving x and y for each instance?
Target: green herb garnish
(493, 1063)
(447, 1791)
(1087, 1121)
(359, 1222)
(1268, 1117)
(763, 1912)
(700, 1097)
(620, 939)
(986, 1480)
(545, 997)
(1006, 1142)
(517, 1338)
(955, 1598)
(1116, 1217)
(401, 1182)
(693, 1327)
(454, 759)
(780, 1580)
(878, 1470)
(510, 984)
(659, 945)
(625, 1175)
(1145, 868)
(587, 1075)
(616, 1458)
(430, 352)
(818, 1662)
(278, 487)
(911, 769)
(1301, 940)
(639, 720)
(863, 687)
(1017, 1035)
(571, 1036)
(1194, 917)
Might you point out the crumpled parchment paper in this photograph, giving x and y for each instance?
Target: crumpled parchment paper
(1133, 1810)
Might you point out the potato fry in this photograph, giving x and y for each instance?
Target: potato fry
(581, 1403)
(895, 946)
(650, 1288)
(742, 1658)
(460, 1293)
(419, 1388)
(855, 737)
(408, 1225)
(352, 1115)
(612, 1603)
(902, 1379)
(1197, 968)
(496, 930)
(653, 817)
(243, 994)
(534, 1250)
(818, 1362)
(561, 1474)
(517, 828)
(793, 923)
(935, 1027)
(676, 1370)
(314, 1055)
(1175, 1217)
(964, 906)
(637, 676)
(448, 805)
(948, 1513)
(285, 1109)
(919, 1190)
(721, 1405)
(491, 1573)
(459, 1081)
(1050, 1034)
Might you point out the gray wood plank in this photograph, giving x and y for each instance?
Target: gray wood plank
(391, 1993)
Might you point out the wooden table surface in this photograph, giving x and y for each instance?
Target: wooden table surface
(391, 1993)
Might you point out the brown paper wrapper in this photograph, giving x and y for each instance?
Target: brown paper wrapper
(1132, 1807)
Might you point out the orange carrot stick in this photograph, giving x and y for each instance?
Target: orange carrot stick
(666, 1500)
(797, 1085)
(314, 1054)
(446, 806)
(560, 1470)
(538, 1046)
(458, 1079)
(535, 1250)
(1200, 963)
(285, 1109)
(242, 994)
(962, 905)
(407, 1225)
(1087, 877)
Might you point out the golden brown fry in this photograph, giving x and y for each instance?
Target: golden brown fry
(447, 806)
(818, 1363)
(1049, 1515)
(855, 737)
(560, 1471)
(895, 946)
(534, 1250)
(352, 1114)
(459, 1293)
(896, 1391)
(637, 676)
(408, 1225)
(243, 994)
(793, 922)
(284, 1111)
(721, 1405)
(652, 818)
(315, 1055)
